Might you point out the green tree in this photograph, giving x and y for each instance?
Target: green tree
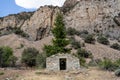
(5, 55)
(29, 56)
(59, 42)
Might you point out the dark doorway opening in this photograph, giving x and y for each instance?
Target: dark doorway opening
(62, 63)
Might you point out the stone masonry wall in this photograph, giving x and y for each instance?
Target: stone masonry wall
(72, 63)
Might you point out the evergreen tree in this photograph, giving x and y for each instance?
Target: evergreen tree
(59, 42)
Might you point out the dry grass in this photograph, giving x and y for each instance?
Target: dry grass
(84, 74)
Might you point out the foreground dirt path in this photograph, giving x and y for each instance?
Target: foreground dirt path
(84, 74)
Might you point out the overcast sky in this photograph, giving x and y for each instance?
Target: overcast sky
(16, 6)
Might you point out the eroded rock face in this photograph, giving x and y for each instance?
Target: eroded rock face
(96, 16)
(15, 20)
(69, 4)
(41, 22)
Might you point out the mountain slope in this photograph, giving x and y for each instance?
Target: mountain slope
(95, 16)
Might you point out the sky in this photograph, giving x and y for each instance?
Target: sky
(15, 6)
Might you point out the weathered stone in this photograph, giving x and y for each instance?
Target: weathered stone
(15, 20)
(41, 22)
(95, 16)
(53, 62)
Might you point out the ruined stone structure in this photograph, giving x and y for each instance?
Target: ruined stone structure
(62, 62)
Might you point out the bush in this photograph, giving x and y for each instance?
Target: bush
(1, 73)
(115, 46)
(75, 44)
(72, 31)
(20, 32)
(103, 40)
(89, 39)
(5, 56)
(82, 61)
(94, 62)
(84, 32)
(83, 53)
(13, 60)
(118, 62)
(41, 60)
(117, 72)
(29, 56)
(107, 64)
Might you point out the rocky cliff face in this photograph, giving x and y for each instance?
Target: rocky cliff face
(68, 5)
(40, 24)
(96, 16)
(15, 20)
(36, 24)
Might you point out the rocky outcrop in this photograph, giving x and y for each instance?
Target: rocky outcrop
(68, 5)
(40, 24)
(96, 16)
(36, 24)
(117, 19)
(15, 20)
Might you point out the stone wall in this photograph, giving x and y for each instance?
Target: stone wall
(72, 62)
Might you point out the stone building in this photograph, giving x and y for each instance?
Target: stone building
(62, 62)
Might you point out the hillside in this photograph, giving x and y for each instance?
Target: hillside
(92, 26)
(95, 16)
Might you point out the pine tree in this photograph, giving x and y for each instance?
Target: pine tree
(59, 42)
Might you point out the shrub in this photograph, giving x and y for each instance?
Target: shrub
(1, 73)
(115, 46)
(83, 53)
(75, 44)
(5, 56)
(71, 31)
(82, 61)
(41, 60)
(107, 64)
(103, 40)
(94, 62)
(84, 32)
(29, 56)
(89, 39)
(13, 60)
(20, 32)
(118, 62)
(117, 72)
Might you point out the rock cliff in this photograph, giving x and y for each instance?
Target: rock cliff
(40, 24)
(95, 16)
